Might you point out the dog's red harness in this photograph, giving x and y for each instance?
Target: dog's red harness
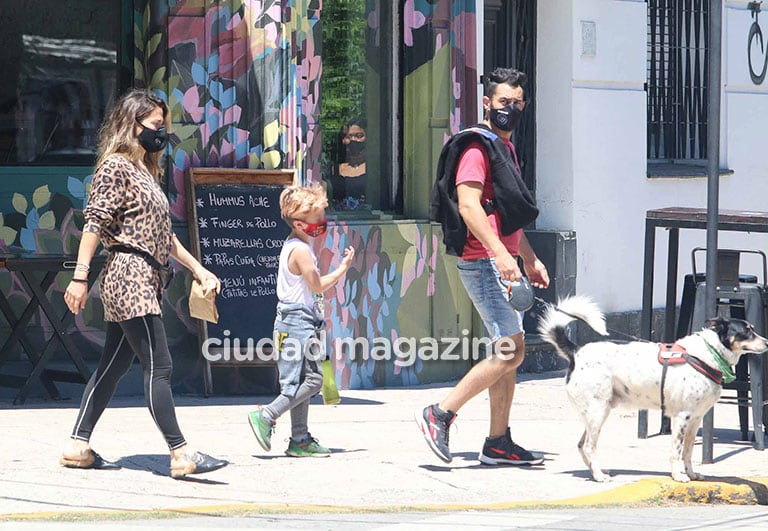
(675, 354)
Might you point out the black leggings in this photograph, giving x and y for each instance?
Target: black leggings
(145, 337)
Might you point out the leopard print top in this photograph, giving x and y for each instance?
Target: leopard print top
(127, 207)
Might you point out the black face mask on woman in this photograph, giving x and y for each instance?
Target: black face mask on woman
(507, 118)
(153, 140)
(355, 148)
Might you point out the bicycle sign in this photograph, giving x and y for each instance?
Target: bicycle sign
(756, 34)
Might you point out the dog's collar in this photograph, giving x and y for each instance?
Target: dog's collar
(725, 367)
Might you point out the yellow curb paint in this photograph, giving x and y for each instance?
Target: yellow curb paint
(728, 490)
(643, 490)
(733, 490)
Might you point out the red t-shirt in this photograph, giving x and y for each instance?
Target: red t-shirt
(475, 167)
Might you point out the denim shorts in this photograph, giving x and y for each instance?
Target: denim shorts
(480, 279)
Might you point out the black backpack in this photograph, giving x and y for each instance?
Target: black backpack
(512, 198)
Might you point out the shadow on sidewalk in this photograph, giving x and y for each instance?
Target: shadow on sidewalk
(471, 457)
(158, 465)
(282, 455)
(747, 446)
(617, 472)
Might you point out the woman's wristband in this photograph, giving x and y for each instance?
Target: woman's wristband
(80, 280)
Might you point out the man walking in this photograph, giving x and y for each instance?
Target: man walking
(478, 172)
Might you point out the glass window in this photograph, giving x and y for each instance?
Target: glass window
(677, 80)
(358, 106)
(59, 64)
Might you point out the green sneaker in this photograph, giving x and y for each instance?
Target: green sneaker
(308, 447)
(262, 427)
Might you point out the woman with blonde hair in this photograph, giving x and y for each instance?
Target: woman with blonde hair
(129, 212)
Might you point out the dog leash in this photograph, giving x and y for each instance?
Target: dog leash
(612, 331)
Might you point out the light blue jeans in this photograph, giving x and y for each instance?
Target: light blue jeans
(300, 377)
(499, 318)
(295, 325)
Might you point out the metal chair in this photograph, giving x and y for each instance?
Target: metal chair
(745, 298)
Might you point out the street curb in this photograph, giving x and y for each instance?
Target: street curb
(723, 490)
(731, 490)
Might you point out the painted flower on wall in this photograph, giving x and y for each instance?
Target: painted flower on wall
(412, 19)
(49, 222)
(363, 304)
(44, 221)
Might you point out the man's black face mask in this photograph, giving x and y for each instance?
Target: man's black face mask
(507, 118)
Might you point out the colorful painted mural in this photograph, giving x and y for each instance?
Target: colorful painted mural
(242, 80)
(48, 219)
(367, 304)
(45, 219)
(439, 88)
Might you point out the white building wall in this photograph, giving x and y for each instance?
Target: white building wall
(591, 144)
(554, 109)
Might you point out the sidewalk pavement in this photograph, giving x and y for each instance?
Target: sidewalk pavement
(380, 460)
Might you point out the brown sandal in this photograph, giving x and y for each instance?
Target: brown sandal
(90, 460)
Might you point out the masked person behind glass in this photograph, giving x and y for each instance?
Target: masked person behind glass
(349, 179)
(491, 199)
(299, 320)
(129, 212)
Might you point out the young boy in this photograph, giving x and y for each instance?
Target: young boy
(298, 321)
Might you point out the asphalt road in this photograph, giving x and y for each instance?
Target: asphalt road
(707, 517)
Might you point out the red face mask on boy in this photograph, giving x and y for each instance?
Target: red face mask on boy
(313, 230)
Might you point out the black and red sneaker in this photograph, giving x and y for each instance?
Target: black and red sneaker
(504, 451)
(434, 424)
(536, 455)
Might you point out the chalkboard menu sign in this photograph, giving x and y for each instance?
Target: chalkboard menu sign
(237, 233)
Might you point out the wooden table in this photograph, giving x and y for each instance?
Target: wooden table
(673, 219)
(37, 272)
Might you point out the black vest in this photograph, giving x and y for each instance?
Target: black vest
(512, 198)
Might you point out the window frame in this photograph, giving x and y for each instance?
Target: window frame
(390, 134)
(676, 87)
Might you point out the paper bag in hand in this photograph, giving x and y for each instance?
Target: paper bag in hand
(203, 306)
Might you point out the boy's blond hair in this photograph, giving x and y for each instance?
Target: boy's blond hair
(296, 201)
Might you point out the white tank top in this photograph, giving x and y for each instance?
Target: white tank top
(292, 288)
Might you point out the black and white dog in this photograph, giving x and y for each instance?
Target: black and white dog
(604, 375)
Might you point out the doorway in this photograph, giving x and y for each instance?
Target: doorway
(510, 41)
